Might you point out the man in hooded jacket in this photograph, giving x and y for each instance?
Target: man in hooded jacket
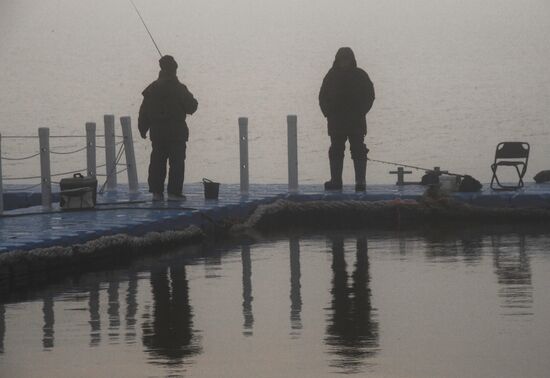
(166, 103)
(346, 96)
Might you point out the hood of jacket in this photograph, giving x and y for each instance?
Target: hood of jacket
(344, 54)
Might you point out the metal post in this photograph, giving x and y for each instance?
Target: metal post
(400, 175)
(90, 149)
(1, 187)
(243, 142)
(110, 151)
(45, 171)
(131, 167)
(292, 122)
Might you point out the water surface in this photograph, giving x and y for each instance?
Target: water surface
(433, 303)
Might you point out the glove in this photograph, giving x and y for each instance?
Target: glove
(144, 135)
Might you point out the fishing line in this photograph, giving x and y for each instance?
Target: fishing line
(146, 28)
(411, 166)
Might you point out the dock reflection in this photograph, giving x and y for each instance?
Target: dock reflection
(49, 322)
(131, 306)
(513, 272)
(113, 309)
(120, 309)
(168, 334)
(295, 287)
(2, 326)
(95, 317)
(247, 291)
(352, 331)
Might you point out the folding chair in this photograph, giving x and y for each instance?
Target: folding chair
(510, 154)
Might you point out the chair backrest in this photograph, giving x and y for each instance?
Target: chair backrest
(512, 150)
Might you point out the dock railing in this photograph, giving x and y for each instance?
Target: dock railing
(292, 140)
(112, 158)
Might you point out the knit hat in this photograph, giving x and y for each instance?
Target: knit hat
(168, 64)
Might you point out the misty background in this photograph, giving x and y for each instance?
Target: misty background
(452, 78)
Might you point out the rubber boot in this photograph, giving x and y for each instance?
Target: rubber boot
(336, 167)
(360, 167)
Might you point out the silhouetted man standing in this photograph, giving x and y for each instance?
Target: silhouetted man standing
(346, 96)
(166, 103)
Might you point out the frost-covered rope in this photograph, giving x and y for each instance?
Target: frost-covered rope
(116, 144)
(69, 172)
(113, 171)
(20, 158)
(36, 136)
(68, 152)
(286, 214)
(21, 178)
(25, 189)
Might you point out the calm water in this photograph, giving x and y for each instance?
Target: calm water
(452, 77)
(465, 304)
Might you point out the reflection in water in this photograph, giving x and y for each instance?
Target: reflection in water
(131, 306)
(402, 245)
(472, 247)
(513, 272)
(352, 334)
(49, 320)
(442, 246)
(155, 315)
(2, 326)
(213, 264)
(113, 309)
(168, 334)
(295, 287)
(95, 321)
(247, 291)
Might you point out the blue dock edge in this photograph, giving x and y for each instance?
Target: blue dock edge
(27, 228)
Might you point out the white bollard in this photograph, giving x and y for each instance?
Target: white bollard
(45, 171)
(126, 124)
(91, 164)
(1, 186)
(110, 151)
(243, 143)
(292, 122)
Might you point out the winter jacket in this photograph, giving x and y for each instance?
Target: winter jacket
(166, 103)
(346, 96)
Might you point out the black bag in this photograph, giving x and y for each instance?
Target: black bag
(78, 192)
(542, 176)
(430, 178)
(469, 184)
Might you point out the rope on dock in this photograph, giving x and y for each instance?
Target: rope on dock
(116, 144)
(286, 214)
(53, 136)
(24, 189)
(20, 268)
(68, 152)
(36, 136)
(21, 178)
(20, 158)
(112, 172)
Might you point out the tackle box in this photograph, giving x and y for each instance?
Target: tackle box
(78, 192)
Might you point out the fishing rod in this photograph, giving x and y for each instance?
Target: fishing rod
(411, 166)
(146, 28)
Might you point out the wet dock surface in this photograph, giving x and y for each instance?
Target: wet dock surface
(135, 214)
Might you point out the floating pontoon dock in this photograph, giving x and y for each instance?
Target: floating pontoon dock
(33, 227)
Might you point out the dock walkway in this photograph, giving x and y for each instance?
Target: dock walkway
(134, 214)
